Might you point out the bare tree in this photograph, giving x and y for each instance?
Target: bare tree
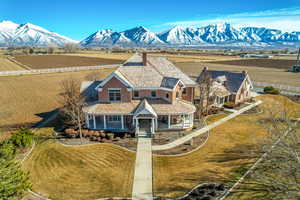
(93, 76)
(277, 175)
(205, 86)
(70, 48)
(72, 102)
(51, 48)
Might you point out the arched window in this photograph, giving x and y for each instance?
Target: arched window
(167, 95)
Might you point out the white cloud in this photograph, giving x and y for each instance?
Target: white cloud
(287, 19)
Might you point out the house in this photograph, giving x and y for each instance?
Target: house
(145, 94)
(227, 86)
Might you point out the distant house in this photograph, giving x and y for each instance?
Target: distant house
(145, 94)
(227, 86)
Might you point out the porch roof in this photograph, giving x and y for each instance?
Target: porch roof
(160, 107)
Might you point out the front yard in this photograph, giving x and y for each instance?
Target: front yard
(82, 172)
(223, 152)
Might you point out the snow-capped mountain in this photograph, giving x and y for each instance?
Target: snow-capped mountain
(136, 36)
(211, 35)
(223, 35)
(12, 34)
(141, 35)
(176, 35)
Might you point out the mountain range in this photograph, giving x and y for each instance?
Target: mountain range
(12, 34)
(225, 35)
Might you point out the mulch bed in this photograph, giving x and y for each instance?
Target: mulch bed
(164, 137)
(254, 110)
(71, 137)
(185, 147)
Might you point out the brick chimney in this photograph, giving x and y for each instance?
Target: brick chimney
(144, 58)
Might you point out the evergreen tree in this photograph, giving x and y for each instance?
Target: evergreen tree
(13, 181)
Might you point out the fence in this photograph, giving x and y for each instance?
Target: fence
(54, 70)
(278, 86)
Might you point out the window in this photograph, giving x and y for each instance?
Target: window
(184, 91)
(114, 94)
(153, 93)
(136, 94)
(167, 95)
(177, 94)
(114, 118)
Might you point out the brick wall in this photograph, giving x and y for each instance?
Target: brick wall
(189, 96)
(114, 83)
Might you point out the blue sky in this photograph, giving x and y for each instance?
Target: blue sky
(79, 18)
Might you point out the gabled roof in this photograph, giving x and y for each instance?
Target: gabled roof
(159, 106)
(168, 69)
(234, 80)
(158, 73)
(144, 108)
(87, 89)
(169, 82)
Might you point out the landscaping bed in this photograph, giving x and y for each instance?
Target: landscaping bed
(71, 137)
(164, 137)
(186, 147)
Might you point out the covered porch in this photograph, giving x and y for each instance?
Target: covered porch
(108, 122)
(175, 121)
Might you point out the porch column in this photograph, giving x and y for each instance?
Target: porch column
(169, 121)
(86, 120)
(94, 121)
(104, 122)
(152, 127)
(156, 124)
(122, 121)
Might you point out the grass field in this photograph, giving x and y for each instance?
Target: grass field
(262, 74)
(28, 99)
(176, 175)
(56, 61)
(89, 172)
(7, 65)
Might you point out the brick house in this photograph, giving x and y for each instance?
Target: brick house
(227, 86)
(144, 94)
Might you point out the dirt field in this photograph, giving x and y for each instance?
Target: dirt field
(265, 63)
(214, 162)
(88, 172)
(27, 99)
(172, 57)
(56, 61)
(7, 65)
(256, 73)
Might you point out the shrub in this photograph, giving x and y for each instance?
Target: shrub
(229, 104)
(22, 137)
(271, 90)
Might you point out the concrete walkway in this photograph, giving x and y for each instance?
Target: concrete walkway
(203, 130)
(142, 182)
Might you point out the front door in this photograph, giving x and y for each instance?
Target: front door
(145, 125)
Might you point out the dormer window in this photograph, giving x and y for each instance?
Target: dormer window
(153, 93)
(136, 94)
(114, 95)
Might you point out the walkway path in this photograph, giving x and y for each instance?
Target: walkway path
(142, 183)
(203, 130)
